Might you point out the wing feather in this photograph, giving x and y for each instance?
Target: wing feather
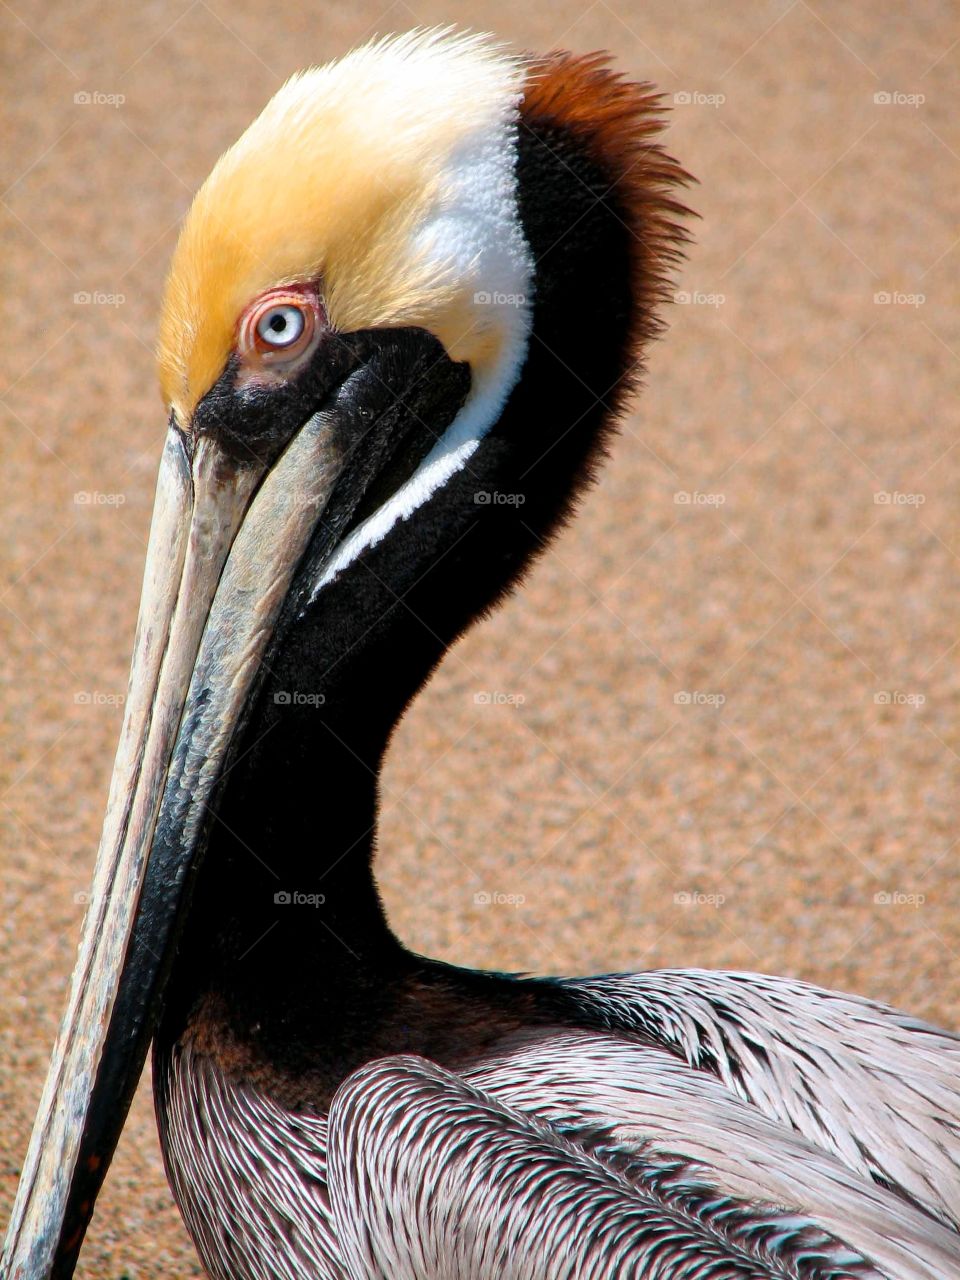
(579, 1081)
(876, 1088)
(432, 1179)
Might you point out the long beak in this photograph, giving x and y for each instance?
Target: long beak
(225, 543)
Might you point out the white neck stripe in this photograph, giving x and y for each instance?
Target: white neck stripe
(475, 231)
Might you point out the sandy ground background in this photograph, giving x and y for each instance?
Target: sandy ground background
(806, 822)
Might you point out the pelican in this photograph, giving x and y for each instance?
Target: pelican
(419, 285)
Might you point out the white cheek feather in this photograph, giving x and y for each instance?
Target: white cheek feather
(476, 239)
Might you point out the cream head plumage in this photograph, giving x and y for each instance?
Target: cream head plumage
(389, 178)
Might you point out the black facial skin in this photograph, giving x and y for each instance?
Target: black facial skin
(388, 391)
(253, 422)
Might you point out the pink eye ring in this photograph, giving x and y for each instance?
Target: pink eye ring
(280, 327)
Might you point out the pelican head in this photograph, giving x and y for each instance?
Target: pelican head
(422, 268)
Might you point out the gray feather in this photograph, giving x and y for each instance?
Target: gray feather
(431, 1179)
(689, 1124)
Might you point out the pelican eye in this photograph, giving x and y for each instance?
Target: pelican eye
(281, 326)
(280, 329)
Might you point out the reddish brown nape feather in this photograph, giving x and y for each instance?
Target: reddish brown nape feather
(619, 123)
